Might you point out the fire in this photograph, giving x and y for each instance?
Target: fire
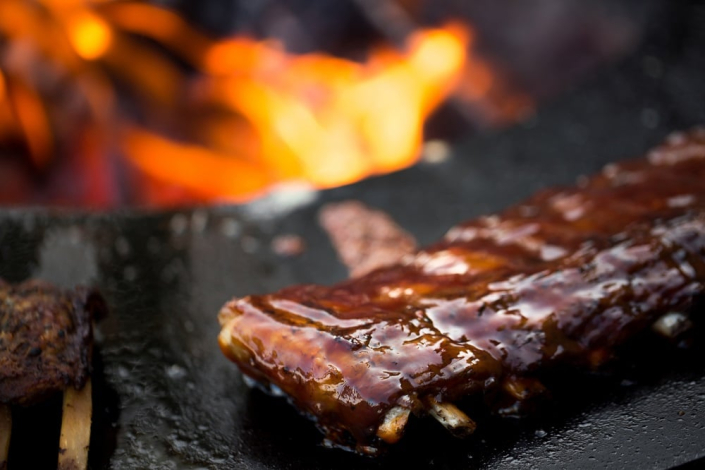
(248, 116)
(330, 121)
(192, 167)
(3, 88)
(89, 35)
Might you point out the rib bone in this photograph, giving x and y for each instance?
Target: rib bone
(451, 417)
(76, 428)
(392, 428)
(672, 325)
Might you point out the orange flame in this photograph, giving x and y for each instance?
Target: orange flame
(209, 174)
(31, 116)
(251, 116)
(322, 119)
(89, 35)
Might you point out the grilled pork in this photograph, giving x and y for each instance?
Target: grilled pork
(46, 340)
(46, 345)
(563, 278)
(365, 239)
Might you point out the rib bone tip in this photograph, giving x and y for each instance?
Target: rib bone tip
(672, 325)
(392, 427)
(450, 416)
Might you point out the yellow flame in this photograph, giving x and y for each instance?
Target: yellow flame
(332, 121)
(439, 53)
(90, 35)
(252, 115)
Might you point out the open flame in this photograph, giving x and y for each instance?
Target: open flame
(317, 118)
(243, 116)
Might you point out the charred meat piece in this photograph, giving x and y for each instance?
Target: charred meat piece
(563, 278)
(46, 347)
(365, 238)
(46, 340)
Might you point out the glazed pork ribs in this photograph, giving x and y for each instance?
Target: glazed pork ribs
(46, 346)
(561, 279)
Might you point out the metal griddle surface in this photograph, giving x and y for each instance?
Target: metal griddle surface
(166, 397)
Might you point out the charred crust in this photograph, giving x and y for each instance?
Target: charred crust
(46, 339)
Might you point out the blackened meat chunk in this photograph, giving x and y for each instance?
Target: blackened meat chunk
(46, 339)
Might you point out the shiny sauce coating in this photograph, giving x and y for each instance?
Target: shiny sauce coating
(564, 277)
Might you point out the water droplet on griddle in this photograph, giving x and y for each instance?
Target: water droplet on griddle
(230, 227)
(435, 151)
(130, 273)
(175, 372)
(122, 246)
(249, 244)
(153, 245)
(650, 118)
(178, 224)
(199, 221)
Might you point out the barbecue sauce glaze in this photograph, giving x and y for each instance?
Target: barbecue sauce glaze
(562, 278)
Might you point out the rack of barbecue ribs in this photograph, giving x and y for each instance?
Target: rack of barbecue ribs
(46, 343)
(560, 279)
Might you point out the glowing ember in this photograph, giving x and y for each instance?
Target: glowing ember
(89, 35)
(252, 116)
(31, 117)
